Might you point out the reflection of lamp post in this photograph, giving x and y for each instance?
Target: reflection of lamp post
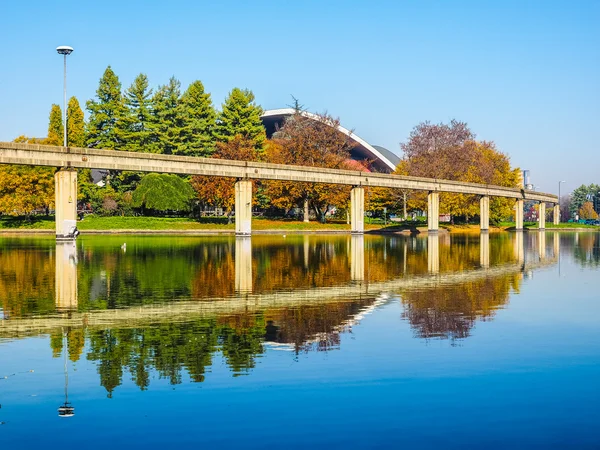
(66, 409)
(559, 212)
(65, 50)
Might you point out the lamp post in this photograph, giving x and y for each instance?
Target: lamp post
(65, 50)
(559, 211)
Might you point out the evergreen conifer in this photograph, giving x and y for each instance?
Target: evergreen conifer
(198, 121)
(167, 116)
(104, 128)
(241, 116)
(55, 127)
(139, 127)
(75, 124)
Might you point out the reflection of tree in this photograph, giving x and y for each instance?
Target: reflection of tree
(26, 277)
(172, 349)
(449, 312)
(587, 253)
(312, 327)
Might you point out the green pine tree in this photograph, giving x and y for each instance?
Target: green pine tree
(198, 121)
(139, 127)
(167, 116)
(75, 124)
(241, 116)
(104, 129)
(55, 127)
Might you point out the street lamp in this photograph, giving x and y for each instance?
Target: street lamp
(65, 50)
(559, 212)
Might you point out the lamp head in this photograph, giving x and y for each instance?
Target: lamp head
(64, 50)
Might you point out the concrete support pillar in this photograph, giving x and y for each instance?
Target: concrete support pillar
(484, 250)
(519, 250)
(556, 214)
(542, 215)
(433, 211)
(433, 253)
(484, 213)
(519, 214)
(243, 264)
(243, 208)
(65, 192)
(66, 276)
(542, 245)
(357, 210)
(357, 257)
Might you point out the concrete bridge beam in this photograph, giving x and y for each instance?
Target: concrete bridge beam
(243, 208)
(484, 213)
(357, 210)
(519, 215)
(433, 211)
(65, 203)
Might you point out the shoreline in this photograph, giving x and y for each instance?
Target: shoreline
(212, 232)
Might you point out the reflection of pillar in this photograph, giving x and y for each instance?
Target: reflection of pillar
(484, 213)
(243, 207)
(542, 215)
(433, 211)
(357, 257)
(484, 250)
(556, 214)
(357, 210)
(306, 250)
(405, 254)
(66, 276)
(433, 253)
(65, 199)
(556, 244)
(542, 244)
(518, 247)
(243, 264)
(519, 214)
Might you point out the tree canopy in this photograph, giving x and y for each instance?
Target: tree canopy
(450, 152)
(75, 124)
(163, 192)
(104, 128)
(240, 115)
(55, 127)
(197, 122)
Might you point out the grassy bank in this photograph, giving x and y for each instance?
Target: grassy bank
(92, 222)
(98, 223)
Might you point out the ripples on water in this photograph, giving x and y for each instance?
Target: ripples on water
(386, 314)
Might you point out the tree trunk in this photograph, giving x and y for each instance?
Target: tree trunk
(306, 210)
(405, 216)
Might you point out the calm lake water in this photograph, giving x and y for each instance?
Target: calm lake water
(450, 341)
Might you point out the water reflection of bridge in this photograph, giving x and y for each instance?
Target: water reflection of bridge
(528, 257)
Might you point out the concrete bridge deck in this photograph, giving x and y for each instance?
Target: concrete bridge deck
(66, 157)
(244, 171)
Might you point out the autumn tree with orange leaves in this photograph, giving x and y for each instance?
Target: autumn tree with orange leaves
(451, 152)
(309, 141)
(218, 191)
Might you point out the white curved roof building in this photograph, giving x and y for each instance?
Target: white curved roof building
(381, 158)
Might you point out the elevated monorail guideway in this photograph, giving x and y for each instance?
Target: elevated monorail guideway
(69, 158)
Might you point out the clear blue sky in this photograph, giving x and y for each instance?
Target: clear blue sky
(524, 74)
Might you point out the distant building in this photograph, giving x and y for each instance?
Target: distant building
(380, 158)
